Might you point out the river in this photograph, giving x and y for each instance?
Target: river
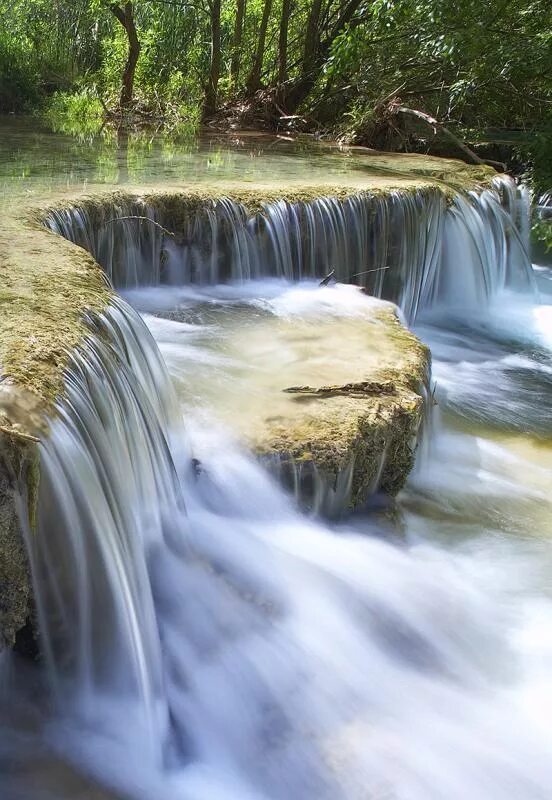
(404, 652)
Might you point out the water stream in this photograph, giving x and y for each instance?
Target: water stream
(204, 639)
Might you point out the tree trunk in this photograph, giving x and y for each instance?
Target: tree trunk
(312, 38)
(125, 15)
(211, 90)
(283, 41)
(237, 42)
(315, 51)
(254, 80)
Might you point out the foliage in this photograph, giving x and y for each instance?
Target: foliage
(325, 64)
(470, 63)
(541, 235)
(537, 152)
(78, 112)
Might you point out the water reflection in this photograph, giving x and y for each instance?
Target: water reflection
(30, 153)
(33, 158)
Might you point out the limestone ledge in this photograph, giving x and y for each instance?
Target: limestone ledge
(345, 442)
(49, 284)
(175, 204)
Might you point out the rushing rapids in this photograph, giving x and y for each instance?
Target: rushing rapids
(205, 640)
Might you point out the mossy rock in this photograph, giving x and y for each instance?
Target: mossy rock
(342, 442)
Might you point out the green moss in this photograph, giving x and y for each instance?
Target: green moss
(175, 208)
(49, 284)
(16, 457)
(369, 427)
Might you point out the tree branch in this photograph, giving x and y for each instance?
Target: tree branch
(141, 219)
(118, 12)
(435, 124)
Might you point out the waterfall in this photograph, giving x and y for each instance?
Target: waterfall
(108, 490)
(200, 638)
(229, 648)
(412, 248)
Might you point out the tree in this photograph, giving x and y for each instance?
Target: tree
(283, 42)
(125, 15)
(254, 80)
(211, 89)
(318, 43)
(235, 63)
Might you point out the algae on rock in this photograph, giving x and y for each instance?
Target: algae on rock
(344, 442)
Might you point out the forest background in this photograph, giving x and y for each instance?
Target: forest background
(390, 74)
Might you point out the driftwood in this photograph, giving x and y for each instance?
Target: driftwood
(325, 281)
(366, 271)
(359, 389)
(472, 157)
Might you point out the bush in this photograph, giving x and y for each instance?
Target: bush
(18, 81)
(78, 112)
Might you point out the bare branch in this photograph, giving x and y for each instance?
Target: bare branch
(142, 219)
(436, 125)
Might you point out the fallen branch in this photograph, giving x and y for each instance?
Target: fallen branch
(142, 219)
(16, 434)
(366, 271)
(325, 281)
(436, 125)
(359, 389)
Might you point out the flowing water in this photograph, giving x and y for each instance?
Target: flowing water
(205, 639)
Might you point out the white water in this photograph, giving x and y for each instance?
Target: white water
(208, 641)
(408, 247)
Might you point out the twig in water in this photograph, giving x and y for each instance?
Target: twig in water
(142, 219)
(325, 281)
(366, 271)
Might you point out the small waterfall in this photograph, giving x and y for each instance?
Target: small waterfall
(233, 649)
(408, 247)
(202, 639)
(108, 491)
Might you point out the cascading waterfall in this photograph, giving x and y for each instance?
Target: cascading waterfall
(108, 491)
(230, 648)
(402, 246)
(204, 640)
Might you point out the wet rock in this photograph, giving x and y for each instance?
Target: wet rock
(339, 459)
(342, 443)
(18, 487)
